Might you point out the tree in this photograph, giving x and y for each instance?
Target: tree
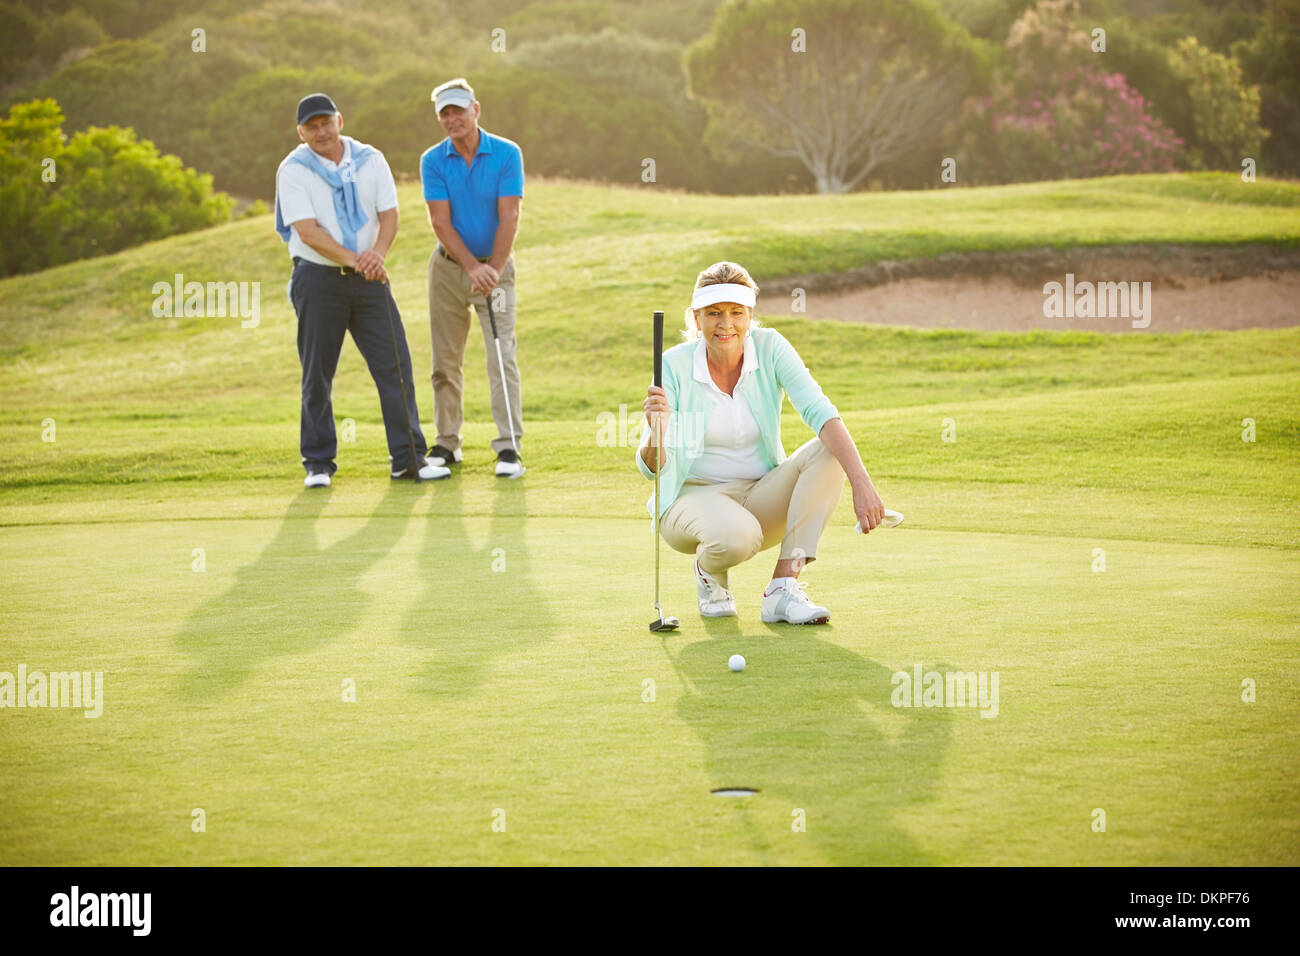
(1092, 124)
(841, 85)
(1054, 113)
(610, 61)
(29, 135)
(1225, 112)
(17, 39)
(100, 191)
(571, 129)
(1269, 60)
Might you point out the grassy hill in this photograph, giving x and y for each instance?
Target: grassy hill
(141, 399)
(523, 686)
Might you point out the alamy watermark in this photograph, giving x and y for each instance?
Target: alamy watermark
(81, 689)
(76, 908)
(922, 688)
(629, 429)
(1098, 300)
(212, 300)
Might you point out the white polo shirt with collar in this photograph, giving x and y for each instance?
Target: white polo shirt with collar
(732, 442)
(304, 195)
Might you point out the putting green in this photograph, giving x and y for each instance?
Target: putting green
(503, 663)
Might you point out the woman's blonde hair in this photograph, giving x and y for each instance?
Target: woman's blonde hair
(719, 272)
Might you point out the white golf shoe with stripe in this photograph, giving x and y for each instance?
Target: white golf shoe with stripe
(715, 599)
(787, 603)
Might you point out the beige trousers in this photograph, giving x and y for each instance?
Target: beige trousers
(450, 298)
(728, 523)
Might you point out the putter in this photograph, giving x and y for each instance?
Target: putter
(661, 623)
(416, 457)
(501, 367)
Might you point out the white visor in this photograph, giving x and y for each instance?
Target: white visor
(723, 292)
(453, 97)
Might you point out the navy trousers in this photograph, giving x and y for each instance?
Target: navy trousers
(329, 305)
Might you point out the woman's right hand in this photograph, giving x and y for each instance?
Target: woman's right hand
(656, 407)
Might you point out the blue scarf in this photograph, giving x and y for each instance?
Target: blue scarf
(347, 204)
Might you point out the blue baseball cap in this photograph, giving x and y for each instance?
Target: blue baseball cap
(315, 105)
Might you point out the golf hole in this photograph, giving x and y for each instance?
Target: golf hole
(734, 792)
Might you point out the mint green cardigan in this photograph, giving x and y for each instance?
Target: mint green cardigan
(778, 371)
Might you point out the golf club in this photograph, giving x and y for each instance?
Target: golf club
(661, 623)
(501, 367)
(416, 456)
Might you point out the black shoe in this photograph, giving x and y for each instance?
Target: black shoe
(508, 464)
(440, 456)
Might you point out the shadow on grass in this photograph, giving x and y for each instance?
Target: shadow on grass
(811, 724)
(480, 601)
(296, 597)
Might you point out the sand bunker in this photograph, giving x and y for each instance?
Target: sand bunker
(1178, 288)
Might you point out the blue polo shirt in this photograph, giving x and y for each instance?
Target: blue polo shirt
(498, 170)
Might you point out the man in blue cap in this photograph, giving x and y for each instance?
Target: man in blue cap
(474, 188)
(336, 207)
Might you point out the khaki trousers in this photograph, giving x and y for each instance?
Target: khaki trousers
(728, 523)
(450, 298)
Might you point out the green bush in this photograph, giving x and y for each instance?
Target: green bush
(252, 126)
(545, 18)
(394, 113)
(566, 128)
(1092, 124)
(1225, 112)
(986, 19)
(680, 21)
(633, 66)
(1269, 61)
(104, 190)
(17, 39)
(29, 137)
(1054, 112)
(126, 19)
(70, 30)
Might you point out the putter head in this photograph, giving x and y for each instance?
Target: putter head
(664, 624)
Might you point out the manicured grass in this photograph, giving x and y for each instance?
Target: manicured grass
(496, 632)
(525, 690)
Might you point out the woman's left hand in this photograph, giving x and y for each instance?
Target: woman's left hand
(868, 507)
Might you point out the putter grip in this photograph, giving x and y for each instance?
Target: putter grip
(659, 349)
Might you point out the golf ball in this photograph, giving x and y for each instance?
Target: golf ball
(737, 663)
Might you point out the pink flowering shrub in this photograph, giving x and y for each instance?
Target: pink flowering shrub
(1054, 113)
(1095, 124)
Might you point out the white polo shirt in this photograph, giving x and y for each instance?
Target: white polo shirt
(733, 447)
(304, 195)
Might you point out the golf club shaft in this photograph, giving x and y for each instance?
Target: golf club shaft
(501, 367)
(401, 379)
(658, 465)
(659, 440)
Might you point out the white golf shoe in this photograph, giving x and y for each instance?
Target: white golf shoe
(508, 464)
(787, 603)
(317, 479)
(715, 599)
(426, 472)
(429, 471)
